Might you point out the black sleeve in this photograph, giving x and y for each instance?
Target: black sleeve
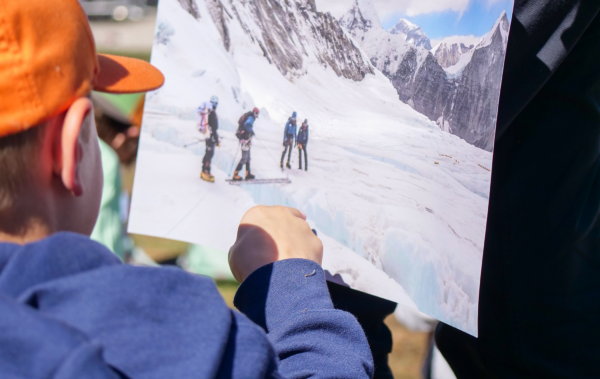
(543, 218)
(213, 122)
(370, 312)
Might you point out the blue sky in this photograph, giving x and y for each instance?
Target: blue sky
(437, 18)
(477, 19)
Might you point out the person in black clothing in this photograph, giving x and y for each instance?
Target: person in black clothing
(302, 141)
(211, 141)
(540, 278)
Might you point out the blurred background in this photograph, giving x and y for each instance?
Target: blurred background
(126, 27)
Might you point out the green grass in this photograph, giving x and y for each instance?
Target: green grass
(160, 249)
(145, 56)
(125, 103)
(227, 289)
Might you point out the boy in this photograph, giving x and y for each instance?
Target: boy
(69, 308)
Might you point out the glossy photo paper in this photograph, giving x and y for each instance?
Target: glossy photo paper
(375, 118)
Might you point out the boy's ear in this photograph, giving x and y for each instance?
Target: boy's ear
(70, 145)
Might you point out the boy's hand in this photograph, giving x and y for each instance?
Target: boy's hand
(269, 234)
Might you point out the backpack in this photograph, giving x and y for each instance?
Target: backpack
(241, 131)
(204, 111)
(289, 125)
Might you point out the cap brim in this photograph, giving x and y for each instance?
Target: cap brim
(126, 75)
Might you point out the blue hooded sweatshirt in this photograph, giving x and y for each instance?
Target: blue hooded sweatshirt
(70, 309)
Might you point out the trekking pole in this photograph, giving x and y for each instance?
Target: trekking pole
(193, 143)
(234, 159)
(263, 146)
(269, 152)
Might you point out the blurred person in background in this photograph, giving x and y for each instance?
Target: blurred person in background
(118, 120)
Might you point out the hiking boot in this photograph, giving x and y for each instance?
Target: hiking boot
(249, 176)
(300, 167)
(207, 177)
(236, 176)
(288, 165)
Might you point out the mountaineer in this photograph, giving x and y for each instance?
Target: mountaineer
(301, 142)
(289, 137)
(211, 141)
(245, 133)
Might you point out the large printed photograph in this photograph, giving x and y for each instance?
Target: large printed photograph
(375, 118)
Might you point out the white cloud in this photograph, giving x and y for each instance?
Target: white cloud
(389, 7)
(417, 7)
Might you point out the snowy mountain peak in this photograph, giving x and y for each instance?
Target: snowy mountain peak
(501, 26)
(454, 56)
(404, 24)
(412, 33)
(362, 16)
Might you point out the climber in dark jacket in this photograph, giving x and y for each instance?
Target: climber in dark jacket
(289, 137)
(302, 142)
(211, 141)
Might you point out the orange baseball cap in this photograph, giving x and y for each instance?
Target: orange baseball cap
(48, 59)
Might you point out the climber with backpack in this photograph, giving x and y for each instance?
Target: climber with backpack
(289, 138)
(244, 134)
(211, 141)
(301, 142)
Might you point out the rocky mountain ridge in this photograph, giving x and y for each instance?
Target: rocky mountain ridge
(448, 54)
(290, 34)
(462, 98)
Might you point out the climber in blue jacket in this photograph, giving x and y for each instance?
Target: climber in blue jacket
(289, 138)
